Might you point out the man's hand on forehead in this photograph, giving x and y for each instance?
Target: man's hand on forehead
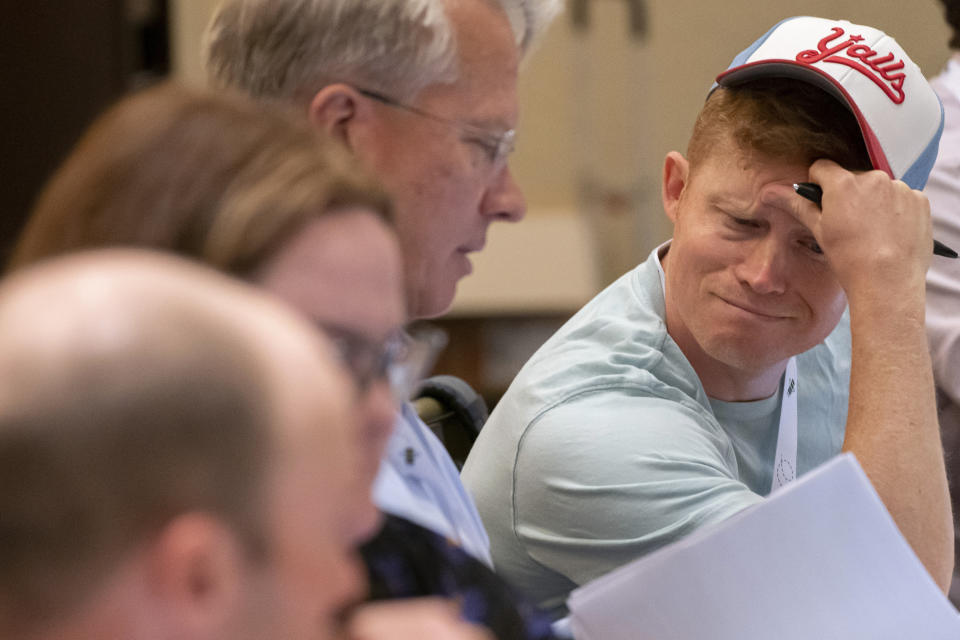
(869, 226)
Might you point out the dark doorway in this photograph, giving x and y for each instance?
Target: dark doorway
(63, 62)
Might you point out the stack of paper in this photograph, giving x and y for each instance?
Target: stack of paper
(819, 559)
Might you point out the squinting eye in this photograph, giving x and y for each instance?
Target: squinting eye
(814, 247)
(745, 222)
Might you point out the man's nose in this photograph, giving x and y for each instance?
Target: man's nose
(504, 200)
(764, 268)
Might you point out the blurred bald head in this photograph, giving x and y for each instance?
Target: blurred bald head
(151, 415)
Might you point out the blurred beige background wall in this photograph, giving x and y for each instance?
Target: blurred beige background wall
(600, 109)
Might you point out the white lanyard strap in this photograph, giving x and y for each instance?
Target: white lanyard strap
(785, 462)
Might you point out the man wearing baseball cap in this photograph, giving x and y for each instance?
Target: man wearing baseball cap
(765, 338)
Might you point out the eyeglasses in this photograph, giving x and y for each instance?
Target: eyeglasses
(402, 359)
(496, 147)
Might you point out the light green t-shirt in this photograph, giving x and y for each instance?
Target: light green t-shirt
(606, 446)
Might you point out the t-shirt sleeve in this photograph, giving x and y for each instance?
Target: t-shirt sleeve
(608, 477)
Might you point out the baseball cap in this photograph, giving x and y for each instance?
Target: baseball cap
(899, 114)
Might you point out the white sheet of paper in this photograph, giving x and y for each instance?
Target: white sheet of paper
(819, 559)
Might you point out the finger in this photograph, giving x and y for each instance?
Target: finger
(827, 172)
(784, 197)
(407, 619)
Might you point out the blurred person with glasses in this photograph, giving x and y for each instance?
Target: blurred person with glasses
(279, 206)
(271, 203)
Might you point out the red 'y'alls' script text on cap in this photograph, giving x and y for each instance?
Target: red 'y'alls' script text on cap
(862, 58)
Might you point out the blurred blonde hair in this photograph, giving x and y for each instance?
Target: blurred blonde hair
(211, 176)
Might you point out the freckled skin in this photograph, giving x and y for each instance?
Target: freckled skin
(746, 284)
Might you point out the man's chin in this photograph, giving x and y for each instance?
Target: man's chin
(747, 355)
(433, 301)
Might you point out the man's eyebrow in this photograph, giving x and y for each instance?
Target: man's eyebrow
(489, 134)
(729, 204)
(492, 125)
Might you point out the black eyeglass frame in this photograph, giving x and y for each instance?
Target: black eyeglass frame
(403, 358)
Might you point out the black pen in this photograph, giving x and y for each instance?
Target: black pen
(814, 194)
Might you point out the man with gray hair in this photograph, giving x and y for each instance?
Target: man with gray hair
(425, 93)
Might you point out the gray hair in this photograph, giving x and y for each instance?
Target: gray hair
(288, 49)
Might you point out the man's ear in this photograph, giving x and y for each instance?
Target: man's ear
(335, 109)
(676, 173)
(197, 568)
